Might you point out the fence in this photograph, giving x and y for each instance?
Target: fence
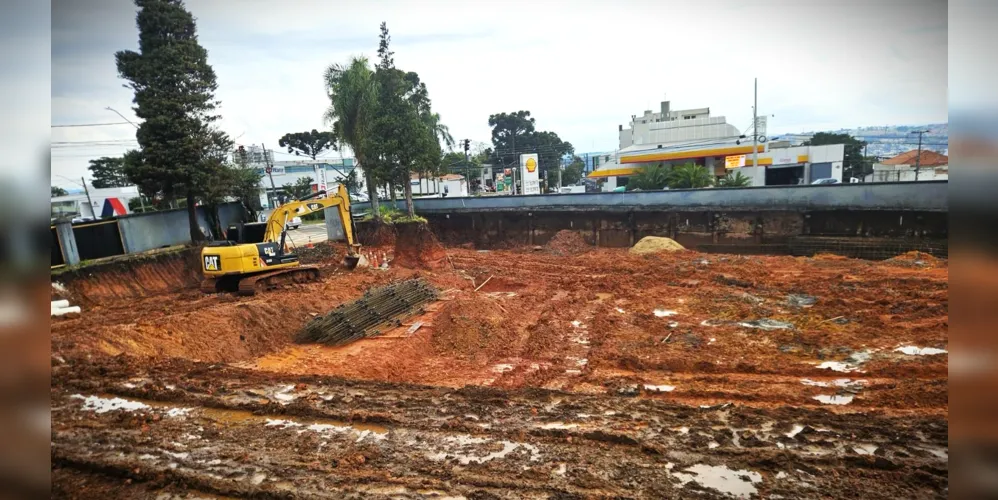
(133, 233)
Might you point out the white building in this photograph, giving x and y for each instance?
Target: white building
(288, 172)
(669, 138)
(449, 184)
(677, 126)
(80, 205)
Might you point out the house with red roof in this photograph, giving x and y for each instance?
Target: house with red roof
(913, 165)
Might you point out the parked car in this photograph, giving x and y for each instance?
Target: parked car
(828, 180)
(295, 222)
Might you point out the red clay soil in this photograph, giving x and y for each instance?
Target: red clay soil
(376, 234)
(416, 247)
(587, 323)
(120, 280)
(627, 349)
(568, 243)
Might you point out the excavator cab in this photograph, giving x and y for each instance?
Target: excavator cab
(247, 267)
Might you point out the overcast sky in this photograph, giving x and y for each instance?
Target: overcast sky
(581, 68)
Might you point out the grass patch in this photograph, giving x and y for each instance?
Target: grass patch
(392, 215)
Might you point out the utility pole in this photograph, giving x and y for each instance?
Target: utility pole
(918, 159)
(866, 146)
(755, 124)
(89, 201)
(516, 162)
(270, 173)
(467, 165)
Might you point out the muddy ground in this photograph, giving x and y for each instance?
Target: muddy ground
(581, 374)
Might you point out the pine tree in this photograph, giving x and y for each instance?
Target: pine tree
(181, 152)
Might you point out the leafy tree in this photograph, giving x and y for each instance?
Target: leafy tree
(452, 161)
(350, 182)
(737, 180)
(402, 140)
(310, 144)
(301, 188)
(182, 153)
(690, 176)
(353, 100)
(108, 172)
(514, 134)
(58, 191)
(140, 205)
(649, 178)
(573, 172)
(507, 130)
(854, 164)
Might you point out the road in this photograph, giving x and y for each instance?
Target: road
(306, 233)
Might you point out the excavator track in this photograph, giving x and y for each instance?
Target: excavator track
(274, 279)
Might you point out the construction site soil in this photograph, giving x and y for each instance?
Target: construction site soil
(559, 372)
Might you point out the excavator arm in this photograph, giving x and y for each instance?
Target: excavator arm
(278, 220)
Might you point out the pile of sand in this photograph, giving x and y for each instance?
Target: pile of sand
(655, 244)
(567, 242)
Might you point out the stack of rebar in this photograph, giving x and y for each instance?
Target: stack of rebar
(378, 310)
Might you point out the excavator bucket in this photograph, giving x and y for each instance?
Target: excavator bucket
(350, 261)
(354, 258)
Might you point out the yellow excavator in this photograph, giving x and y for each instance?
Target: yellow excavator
(229, 266)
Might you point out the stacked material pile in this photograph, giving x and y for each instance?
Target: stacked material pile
(380, 309)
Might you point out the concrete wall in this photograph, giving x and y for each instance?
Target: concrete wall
(923, 196)
(717, 230)
(142, 232)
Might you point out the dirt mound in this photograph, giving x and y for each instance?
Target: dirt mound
(567, 242)
(417, 248)
(829, 256)
(472, 328)
(916, 259)
(375, 234)
(326, 252)
(130, 277)
(655, 244)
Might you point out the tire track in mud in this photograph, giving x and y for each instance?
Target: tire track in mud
(231, 432)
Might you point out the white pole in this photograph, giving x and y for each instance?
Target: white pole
(755, 124)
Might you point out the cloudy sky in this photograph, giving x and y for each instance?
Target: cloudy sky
(581, 68)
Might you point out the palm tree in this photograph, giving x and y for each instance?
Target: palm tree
(737, 180)
(690, 176)
(352, 100)
(440, 130)
(649, 178)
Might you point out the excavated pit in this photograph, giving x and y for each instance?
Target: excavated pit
(573, 372)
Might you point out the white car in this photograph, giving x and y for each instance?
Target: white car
(827, 180)
(295, 222)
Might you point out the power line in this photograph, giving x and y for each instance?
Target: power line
(91, 124)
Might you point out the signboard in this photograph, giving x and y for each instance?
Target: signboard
(320, 177)
(277, 170)
(784, 160)
(735, 161)
(529, 174)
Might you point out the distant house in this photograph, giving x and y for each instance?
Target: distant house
(449, 184)
(932, 166)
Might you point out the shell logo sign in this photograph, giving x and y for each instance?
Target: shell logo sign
(531, 165)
